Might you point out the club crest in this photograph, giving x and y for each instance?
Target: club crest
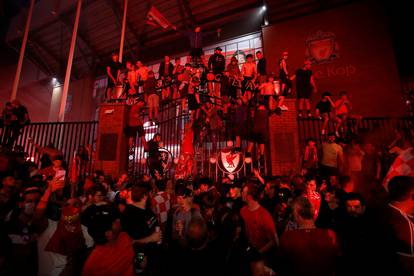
(321, 47)
(230, 161)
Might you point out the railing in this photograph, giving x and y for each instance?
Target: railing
(66, 136)
(381, 130)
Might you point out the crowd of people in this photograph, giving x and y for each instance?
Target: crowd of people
(333, 218)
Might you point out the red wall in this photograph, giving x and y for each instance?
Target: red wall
(365, 64)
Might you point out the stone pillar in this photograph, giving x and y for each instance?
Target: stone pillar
(284, 141)
(112, 145)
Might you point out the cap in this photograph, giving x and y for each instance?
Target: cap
(218, 49)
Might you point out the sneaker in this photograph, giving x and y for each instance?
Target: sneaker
(278, 111)
(284, 108)
(309, 115)
(323, 132)
(337, 134)
(300, 115)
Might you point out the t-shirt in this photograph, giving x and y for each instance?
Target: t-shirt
(303, 80)
(330, 151)
(138, 223)
(111, 259)
(259, 226)
(217, 63)
(324, 107)
(113, 68)
(261, 67)
(308, 252)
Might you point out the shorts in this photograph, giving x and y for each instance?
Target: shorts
(183, 89)
(153, 101)
(304, 94)
(110, 84)
(247, 85)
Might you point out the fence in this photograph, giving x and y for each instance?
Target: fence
(66, 136)
(380, 130)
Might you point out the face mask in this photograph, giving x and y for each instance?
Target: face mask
(29, 208)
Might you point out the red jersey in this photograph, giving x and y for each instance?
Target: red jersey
(259, 225)
(112, 259)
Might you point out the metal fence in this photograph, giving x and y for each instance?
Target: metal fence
(66, 136)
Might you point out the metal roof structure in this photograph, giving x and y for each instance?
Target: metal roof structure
(100, 27)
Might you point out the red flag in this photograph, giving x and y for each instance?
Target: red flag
(156, 19)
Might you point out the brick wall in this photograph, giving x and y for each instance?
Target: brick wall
(284, 141)
(112, 152)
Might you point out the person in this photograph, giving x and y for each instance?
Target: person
(305, 83)
(313, 196)
(196, 43)
(165, 74)
(249, 77)
(161, 203)
(286, 84)
(132, 81)
(151, 90)
(343, 111)
(61, 244)
(259, 131)
(332, 157)
(310, 158)
(177, 75)
(134, 124)
(234, 78)
(261, 67)
(114, 253)
(393, 225)
(20, 226)
(11, 125)
(323, 110)
(237, 122)
(93, 209)
(141, 76)
(154, 157)
(307, 250)
(140, 223)
(185, 82)
(259, 226)
(113, 72)
(213, 123)
(216, 65)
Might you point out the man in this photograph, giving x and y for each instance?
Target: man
(141, 74)
(141, 225)
(113, 71)
(196, 42)
(305, 83)
(307, 250)
(394, 255)
(177, 74)
(216, 65)
(285, 82)
(332, 157)
(249, 77)
(161, 203)
(154, 161)
(261, 67)
(165, 73)
(114, 255)
(21, 229)
(259, 226)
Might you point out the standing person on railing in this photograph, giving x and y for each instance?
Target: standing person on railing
(113, 71)
(154, 157)
(196, 43)
(141, 75)
(165, 74)
(249, 76)
(305, 83)
(216, 65)
(285, 82)
(261, 67)
(151, 90)
(177, 74)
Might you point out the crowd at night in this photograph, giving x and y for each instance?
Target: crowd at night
(229, 158)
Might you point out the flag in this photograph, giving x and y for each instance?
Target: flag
(403, 166)
(156, 19)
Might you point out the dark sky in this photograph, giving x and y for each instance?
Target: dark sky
(399, 17)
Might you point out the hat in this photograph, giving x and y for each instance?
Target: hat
(218, 49)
